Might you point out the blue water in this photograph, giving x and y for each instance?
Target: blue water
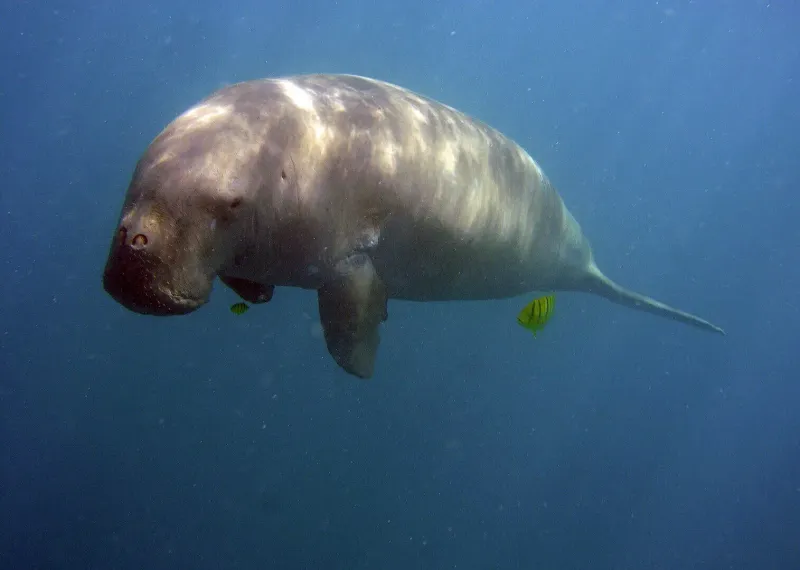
(615, 440)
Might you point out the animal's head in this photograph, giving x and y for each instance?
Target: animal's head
(187, 212)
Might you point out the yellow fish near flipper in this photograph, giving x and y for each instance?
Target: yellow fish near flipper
(534, 315)
(239, 308)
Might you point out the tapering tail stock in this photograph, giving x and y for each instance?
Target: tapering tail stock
(599, 284)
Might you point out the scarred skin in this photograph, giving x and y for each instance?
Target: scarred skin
(354, 187)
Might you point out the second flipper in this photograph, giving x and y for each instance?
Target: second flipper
(249, 291)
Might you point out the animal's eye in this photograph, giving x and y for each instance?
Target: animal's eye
(283, 174)
(235, 203)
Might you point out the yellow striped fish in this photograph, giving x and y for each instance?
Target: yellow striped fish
(239, 308)
(534, 315)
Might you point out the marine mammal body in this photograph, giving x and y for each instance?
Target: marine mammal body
(357, 188)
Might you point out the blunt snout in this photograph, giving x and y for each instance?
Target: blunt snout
(137, 276)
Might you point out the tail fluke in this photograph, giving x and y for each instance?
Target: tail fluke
(601, 285)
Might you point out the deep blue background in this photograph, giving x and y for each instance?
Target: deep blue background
(614, 440)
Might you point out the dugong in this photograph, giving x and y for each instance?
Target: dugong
(354, 187)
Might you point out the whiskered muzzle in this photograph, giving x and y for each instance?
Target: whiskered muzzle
(141, 282)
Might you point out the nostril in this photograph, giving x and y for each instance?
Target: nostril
(122, 234)
(139, 241)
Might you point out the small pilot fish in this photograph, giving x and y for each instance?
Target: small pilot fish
(534, 315)
(239, 308)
